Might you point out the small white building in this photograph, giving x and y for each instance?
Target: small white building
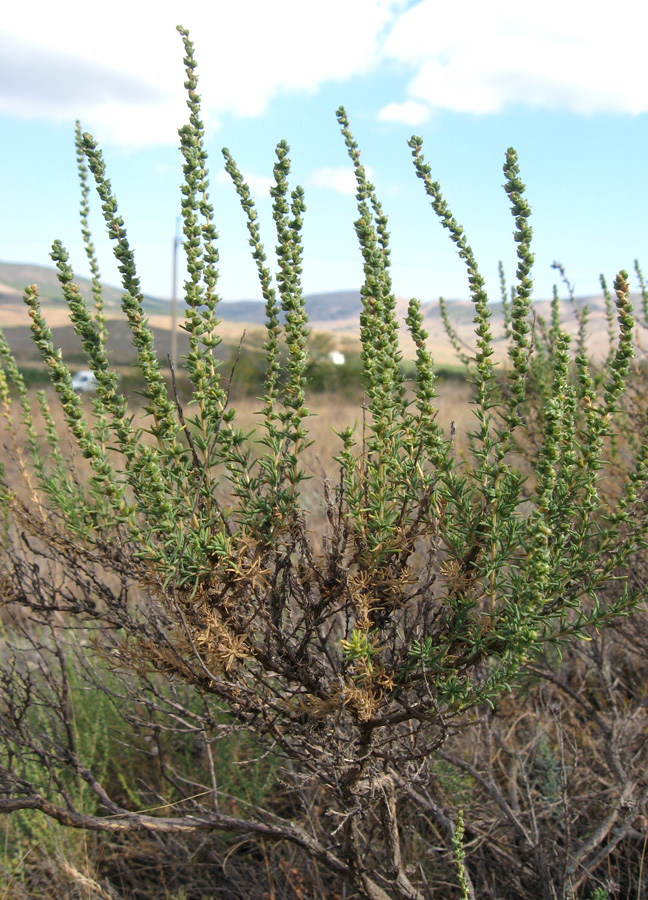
(84, 382)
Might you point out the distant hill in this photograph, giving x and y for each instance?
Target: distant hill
(15, 276)
(336, 313)
(321, 308)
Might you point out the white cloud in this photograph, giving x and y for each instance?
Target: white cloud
(121, 71)
(411, 112)
(483, 57)
(68, 63)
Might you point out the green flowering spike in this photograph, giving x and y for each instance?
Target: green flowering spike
(87, 237)
(483, 357)
(289, 256)
(91, 333)
(609, 316)
(101, 426)
(392, 442)
(620, 363)
(273, 327)
(159, 406)
(520, 329)
(380, 343)
(165, 428)
(70, 402)
(555, 317)
(644, 292)
(108, 401)
(201, 298)
(547, 477)
(496, 487)
(289, 443)
(259, 515)
(426, 425)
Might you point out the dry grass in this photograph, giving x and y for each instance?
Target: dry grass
(329, 413)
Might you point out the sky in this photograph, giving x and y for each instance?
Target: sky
(564, 83)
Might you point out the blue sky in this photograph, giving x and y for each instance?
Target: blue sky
(565, 83)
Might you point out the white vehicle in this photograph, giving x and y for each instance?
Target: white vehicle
(84, 382)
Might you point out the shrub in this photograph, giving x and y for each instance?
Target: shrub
(182, 556)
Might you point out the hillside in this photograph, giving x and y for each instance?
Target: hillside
(334, 313)
(14, 277)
